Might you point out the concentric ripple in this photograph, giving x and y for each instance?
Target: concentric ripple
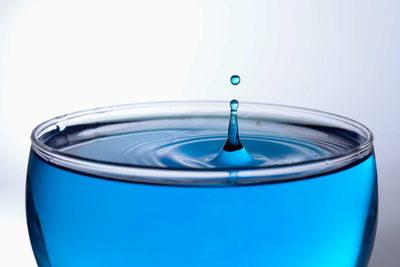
(194, 143)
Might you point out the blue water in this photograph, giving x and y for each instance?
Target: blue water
(195, 143)
(78, 220)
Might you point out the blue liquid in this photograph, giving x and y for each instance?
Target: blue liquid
(78, 220)
(235, 79)
(195, 143)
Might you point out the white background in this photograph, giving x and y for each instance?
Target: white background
(62, 56)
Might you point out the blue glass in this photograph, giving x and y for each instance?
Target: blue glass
(79, 219)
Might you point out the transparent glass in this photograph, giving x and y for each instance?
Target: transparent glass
(84, 211)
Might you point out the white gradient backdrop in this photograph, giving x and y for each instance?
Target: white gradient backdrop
(62, 56)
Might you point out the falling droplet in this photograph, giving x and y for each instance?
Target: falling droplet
(235, 79)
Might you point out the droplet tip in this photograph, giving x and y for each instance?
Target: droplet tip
(234, 104)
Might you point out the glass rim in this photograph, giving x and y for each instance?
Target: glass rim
(202, 177)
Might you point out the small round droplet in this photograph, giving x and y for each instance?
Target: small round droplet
(234, 104)
(235, 79)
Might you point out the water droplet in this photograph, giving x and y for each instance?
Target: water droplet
(234, 104)
(235, 79)
(233, 142)
(233, 153)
